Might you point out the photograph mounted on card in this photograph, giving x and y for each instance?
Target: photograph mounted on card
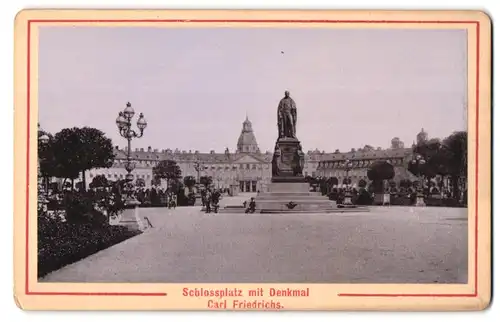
(252, 160)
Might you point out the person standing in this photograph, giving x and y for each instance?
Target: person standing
(208, 198)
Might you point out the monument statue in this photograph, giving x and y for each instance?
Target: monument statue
(276, 161)
(288, 190)
(299, 161)
(287, 117)
(288, 158)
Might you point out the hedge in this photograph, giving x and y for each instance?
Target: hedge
(62, 243)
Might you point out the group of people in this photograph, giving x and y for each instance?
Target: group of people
(210, 200)
(250, 206)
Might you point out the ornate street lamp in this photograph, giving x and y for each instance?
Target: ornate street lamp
(43, 140)
(198, 166)
(124, 124)
(348, 166)
(418, 163)
(347, 198)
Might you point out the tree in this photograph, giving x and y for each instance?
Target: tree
(362, 183)
(368, 148)
(405, 183)
(75, 150)
(46, 156)
(455, 156)
(168, 170)
(190, 182)
(176, 187)
(435, 159)
(392, 185)
(378, 172)
(140, 182)
(99, 181)
(206, 181)
(155, 182)
(333, 181)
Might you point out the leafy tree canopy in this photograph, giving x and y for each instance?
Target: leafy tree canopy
(167, 169)
(140, 182)
(206, 180)
(189, 181)
(333, 181)
(75, 150)
(405, 183)
(99, 181)
(455, 151)
(380, 170)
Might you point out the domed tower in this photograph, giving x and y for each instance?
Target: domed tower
(422, 136)
(396, 143)
(247, 142)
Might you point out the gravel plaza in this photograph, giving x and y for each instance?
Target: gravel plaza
(384, 245)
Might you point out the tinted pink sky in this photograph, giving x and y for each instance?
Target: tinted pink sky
(195, 86)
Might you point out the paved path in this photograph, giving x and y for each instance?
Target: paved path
(386, 245)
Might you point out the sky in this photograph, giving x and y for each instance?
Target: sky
(195, 86)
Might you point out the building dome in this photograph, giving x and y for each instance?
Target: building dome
(247, 143)
(422, 136)
(396, 143)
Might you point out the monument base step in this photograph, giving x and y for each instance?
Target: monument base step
(324, 211)
(233, 209)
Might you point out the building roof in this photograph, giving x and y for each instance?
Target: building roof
(189, 156)
(366, 154)
(247, 138)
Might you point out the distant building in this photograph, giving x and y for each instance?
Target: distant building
(247, 168)
(334, 164)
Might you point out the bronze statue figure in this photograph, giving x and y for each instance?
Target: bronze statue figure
(276, 161)
(298, 162)
(287, 117)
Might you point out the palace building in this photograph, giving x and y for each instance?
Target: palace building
(247, 169)
(355, 163)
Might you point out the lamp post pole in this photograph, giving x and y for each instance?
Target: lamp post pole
(124, 123)
(198, 166)
(348, 196)
(130, 217)
(418, 162)
(43, 140)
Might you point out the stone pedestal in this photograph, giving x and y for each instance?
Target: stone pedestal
(288, 192)
(234, 189)
(420, 200)
(292, 197)
(130, 216)
(347, 198)
(288, 161)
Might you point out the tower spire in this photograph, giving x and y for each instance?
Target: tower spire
(247, 141)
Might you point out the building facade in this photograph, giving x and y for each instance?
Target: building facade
(249, 169)
(354, 164)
